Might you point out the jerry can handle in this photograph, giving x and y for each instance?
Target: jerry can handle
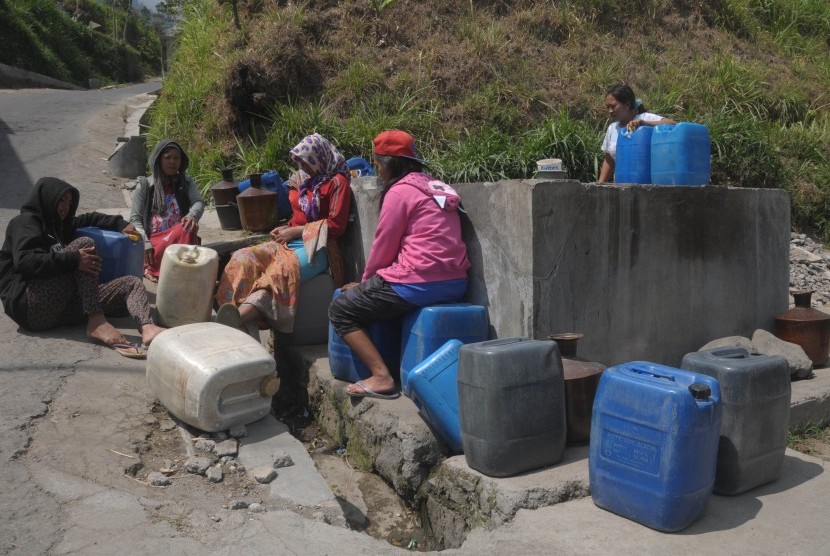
(730, 353)
(651, 373)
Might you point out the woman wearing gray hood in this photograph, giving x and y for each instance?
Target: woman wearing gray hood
(166, 206)
(49, 278)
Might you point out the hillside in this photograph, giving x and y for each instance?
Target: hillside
(489, 86)
(78, 40)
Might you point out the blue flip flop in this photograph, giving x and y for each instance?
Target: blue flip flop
(369, 393)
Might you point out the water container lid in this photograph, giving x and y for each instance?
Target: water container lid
(700, 391)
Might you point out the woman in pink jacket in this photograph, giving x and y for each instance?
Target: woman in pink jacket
(417, 257)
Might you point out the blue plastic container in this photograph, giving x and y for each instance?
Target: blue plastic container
(633, 163)
(434, 389)
(272, 182)
(344, 364)
(428, 328)
(680, 154)
(654, 443)
(359, 167)
(756, 414)
(122, 256)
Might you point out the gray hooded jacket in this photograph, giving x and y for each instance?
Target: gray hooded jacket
(185, 189)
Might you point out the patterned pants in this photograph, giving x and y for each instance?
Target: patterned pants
(366, 303)
(69, 298)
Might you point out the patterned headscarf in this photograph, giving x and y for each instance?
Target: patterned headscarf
(324, 161)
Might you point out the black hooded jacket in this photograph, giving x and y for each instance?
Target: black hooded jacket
(29, 250)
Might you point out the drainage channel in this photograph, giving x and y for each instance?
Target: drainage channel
(370, 505)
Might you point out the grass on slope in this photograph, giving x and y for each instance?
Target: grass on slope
(488, 87)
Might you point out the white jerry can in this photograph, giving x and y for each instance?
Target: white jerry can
(211, 376)
(187, 279)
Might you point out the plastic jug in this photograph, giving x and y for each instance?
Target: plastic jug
(211, 376)
(186, 282)
(359, 167)
(680, 154)
(428, 328)
(654, 443)
(433, 387)
(311, 323)
(755, 392)
(633, 163)
(122, 255)
(511, 402)
(344, 364)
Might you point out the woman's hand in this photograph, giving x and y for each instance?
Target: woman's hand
(284, 234)
(130, 229)
(349, 286)
(190, 224)
(634, 124)
(90, 262)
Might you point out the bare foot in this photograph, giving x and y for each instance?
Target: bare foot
(99, 328)
(380, 384)
(150, 331)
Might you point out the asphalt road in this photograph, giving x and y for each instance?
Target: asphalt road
(75, 414)
(67, 134)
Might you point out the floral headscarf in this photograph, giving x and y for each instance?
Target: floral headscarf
(324, 160)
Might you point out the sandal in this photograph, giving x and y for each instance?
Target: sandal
(129, 350)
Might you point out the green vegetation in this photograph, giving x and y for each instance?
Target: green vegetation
(42, 36)
(489, 87)
(796, 438)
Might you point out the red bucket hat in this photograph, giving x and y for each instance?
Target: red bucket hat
(395, 142)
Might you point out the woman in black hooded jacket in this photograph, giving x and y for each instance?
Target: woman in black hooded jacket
(49, 279)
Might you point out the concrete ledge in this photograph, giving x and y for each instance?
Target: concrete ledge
(390, 438)
(298, 487)
(811, 400)
(387, 436)
(16, 78)
(456, 499)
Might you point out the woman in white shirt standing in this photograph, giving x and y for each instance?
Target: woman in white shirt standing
(628, 113)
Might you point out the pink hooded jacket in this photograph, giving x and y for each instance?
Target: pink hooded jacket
(418, 238)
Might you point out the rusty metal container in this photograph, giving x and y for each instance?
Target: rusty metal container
(225, 191)
(257, 207)
(581, 381)
(807, 327)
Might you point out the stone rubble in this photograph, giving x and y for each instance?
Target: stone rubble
(197, 465)
(204, 445)
(157, 479)
(810, 269)
(264, 474)
(282, 459)
(226, 448)
(214, 474)
(238, 505)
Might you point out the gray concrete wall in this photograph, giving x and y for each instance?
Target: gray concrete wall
(645, 272)
(15, 78)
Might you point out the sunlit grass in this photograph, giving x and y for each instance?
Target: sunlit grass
(759, 83)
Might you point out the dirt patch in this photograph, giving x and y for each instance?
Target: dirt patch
(165, 450)
(813, 442)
